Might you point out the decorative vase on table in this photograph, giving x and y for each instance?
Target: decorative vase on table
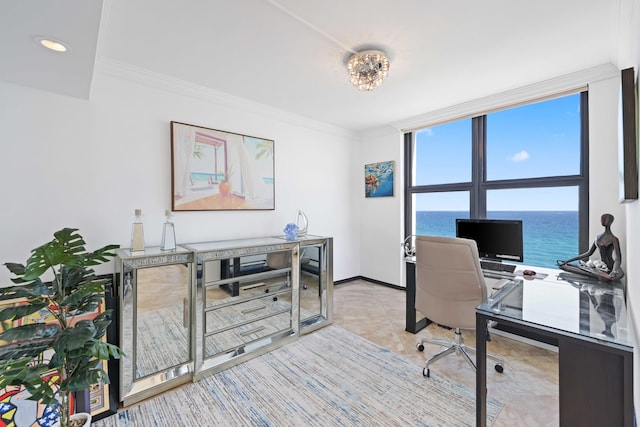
(137, 233)
(302, 222)
(168, 233)
(291, 231)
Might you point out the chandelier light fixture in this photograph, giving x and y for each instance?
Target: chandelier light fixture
(367, 69)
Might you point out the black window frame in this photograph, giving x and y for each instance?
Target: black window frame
(479, 184)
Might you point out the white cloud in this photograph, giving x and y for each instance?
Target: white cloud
(428, 131)
(520, 157)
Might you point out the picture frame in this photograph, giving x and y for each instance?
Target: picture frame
(628, 136)
(215, 170)
(101, 400)
(378, 179)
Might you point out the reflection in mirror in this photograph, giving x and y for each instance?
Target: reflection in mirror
(162, 323)
(310, 282)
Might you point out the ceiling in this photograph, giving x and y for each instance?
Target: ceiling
(291, 54)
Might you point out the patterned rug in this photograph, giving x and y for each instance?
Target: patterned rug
(330, 377)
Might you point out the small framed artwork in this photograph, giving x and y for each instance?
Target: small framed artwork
(378, 179)
(217, 170)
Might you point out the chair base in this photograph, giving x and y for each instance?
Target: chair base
(459, 347)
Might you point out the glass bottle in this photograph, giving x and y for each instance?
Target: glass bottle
(168, 233)
(137, 233)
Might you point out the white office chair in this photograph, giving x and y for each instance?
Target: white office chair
(449, 286)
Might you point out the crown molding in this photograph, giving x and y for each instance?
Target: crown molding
(144, 77)
(380, 131)
(535, 91)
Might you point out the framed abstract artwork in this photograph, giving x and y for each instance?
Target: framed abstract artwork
(217, 170)
(100, 400)
(378, 179)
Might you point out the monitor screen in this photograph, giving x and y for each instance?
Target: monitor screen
(497, 239)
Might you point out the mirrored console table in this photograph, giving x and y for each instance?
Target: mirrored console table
(316, 282)
(187, 313)
(155, 295)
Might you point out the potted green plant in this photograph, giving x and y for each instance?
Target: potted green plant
(68, 347)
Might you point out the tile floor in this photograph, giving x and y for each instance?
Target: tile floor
(528, 387)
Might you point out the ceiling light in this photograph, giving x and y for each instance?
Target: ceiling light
(52, 44)
(367, 69)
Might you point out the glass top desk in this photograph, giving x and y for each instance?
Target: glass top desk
(588, 320)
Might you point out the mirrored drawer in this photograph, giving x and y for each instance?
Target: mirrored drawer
(217, 296)
(241, 335)
(221, 318)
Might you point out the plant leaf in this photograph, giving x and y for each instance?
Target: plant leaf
(28, 350)
(74, 338)
(30, 332)
(20, 311)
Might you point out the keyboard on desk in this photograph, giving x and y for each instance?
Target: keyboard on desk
(497, 266)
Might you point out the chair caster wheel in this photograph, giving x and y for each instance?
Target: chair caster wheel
(426, 372)
(420, 347)
(499, 369)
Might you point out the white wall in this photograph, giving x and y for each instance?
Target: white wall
(603, 159)
(69, 162)
(628, 55)
(381, 222)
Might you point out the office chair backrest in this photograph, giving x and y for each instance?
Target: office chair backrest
(449, 280)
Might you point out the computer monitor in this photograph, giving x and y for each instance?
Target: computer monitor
(497, 239)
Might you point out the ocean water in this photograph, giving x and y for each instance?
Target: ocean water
(547, 235)
(198, 177)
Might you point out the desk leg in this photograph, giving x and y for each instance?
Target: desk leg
(481, 371)
(411, 324)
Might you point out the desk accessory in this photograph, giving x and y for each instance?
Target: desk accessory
(609, 266)
(535, 275)
(409, 245)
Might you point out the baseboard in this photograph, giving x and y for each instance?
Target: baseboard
(377, 282)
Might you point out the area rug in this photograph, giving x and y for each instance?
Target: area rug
(330, 377)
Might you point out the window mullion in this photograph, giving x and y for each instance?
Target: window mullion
(583, 199)
(478, 199)
(409, 173)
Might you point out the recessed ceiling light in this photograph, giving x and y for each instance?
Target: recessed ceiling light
(52, 44)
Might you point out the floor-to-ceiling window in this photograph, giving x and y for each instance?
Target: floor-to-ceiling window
(528, 162)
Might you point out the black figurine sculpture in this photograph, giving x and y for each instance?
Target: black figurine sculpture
(609, 265)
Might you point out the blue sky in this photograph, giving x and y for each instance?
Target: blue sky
(541, 139)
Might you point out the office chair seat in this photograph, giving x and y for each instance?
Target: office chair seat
(449, 286)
